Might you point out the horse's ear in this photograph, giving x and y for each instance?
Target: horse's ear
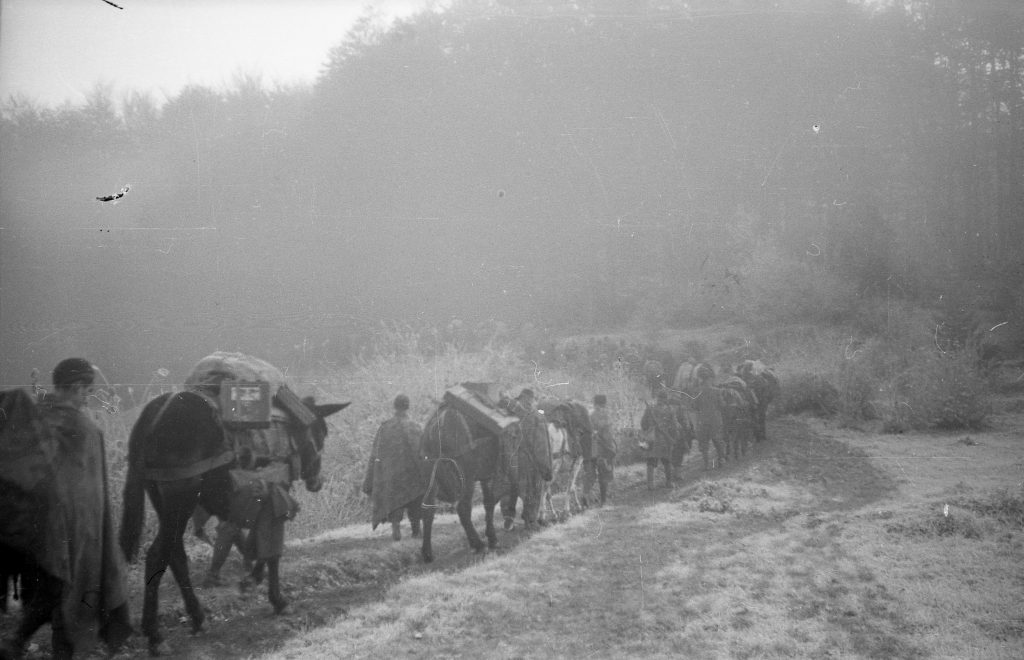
(328, 409)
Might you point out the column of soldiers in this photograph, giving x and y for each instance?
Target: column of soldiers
(395, 474)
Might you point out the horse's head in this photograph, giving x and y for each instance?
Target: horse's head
(311, 441)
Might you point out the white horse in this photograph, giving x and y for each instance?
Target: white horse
(560, 498)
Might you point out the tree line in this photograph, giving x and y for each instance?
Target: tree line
(564, 164)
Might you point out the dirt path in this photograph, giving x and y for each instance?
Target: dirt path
(624, 553)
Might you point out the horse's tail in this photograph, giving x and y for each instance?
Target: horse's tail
(134, 512)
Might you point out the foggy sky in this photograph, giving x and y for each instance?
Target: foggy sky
(54, 51)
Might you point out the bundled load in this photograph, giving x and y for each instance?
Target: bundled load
(481, 402)
(251, 395)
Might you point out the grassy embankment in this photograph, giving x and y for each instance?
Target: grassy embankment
(833, 543)
(817, 548)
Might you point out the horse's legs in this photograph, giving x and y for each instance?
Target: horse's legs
(545, 504)
(39, 603)
(176, 522)
(274, 584)
(179, 568)
(489, 502)
(174, 504)
(574, 495)
(465, 510)
(156, 564)
(426, 550)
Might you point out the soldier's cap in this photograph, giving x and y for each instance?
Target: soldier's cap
(73, 370)
(600, 400)
(401, 402)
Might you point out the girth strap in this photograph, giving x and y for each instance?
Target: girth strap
(189, 471)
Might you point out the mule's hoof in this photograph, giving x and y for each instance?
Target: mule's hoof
(427, 557)
(245, 584)
(279, 606)
(510, 523)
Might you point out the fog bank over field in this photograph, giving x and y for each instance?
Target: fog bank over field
(538, 165)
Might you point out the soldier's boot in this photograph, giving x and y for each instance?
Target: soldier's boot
(650, 477)
(396, 531)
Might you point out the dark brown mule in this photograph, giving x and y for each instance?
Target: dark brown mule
(459, 454)
(178, 455)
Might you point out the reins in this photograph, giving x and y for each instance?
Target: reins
(430, 497)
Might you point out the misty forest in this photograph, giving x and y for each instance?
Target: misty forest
(581, 200)
(531, 169)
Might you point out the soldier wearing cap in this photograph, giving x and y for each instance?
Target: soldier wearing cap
(394, 477)
(663, 432)
(533, 458)
(604, 448)
(90, 597)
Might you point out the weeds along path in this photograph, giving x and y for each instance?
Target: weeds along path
(747, 561)
(642, 576)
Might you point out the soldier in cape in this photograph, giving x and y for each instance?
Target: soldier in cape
(394, 476)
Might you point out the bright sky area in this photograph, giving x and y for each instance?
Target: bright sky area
(55, 51)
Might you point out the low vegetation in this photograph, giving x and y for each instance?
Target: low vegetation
(822, 543)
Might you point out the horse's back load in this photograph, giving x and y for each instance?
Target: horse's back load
(253, 400)
(245, 404)
(480, 403)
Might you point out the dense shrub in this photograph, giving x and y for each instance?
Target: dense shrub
(856, 392)
(807, 392)
(780, 290)
(940, 390)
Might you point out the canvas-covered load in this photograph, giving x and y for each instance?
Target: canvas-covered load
(255, 402)
(479, 402)
(243, 372)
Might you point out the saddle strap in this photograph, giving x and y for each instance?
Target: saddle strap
(189, 471)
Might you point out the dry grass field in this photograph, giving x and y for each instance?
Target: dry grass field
(824, 542)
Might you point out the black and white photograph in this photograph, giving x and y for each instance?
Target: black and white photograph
(511, 329)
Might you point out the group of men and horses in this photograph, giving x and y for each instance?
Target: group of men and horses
(233, 441)
(236, 456)
(516, 450)
(724, 412)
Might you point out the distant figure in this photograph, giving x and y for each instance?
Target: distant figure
(533, 461)
(91, 597)
(661, 433)
(654, 376)
(765, 386)
(710, 424)
(604, 449)
(394, 477)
